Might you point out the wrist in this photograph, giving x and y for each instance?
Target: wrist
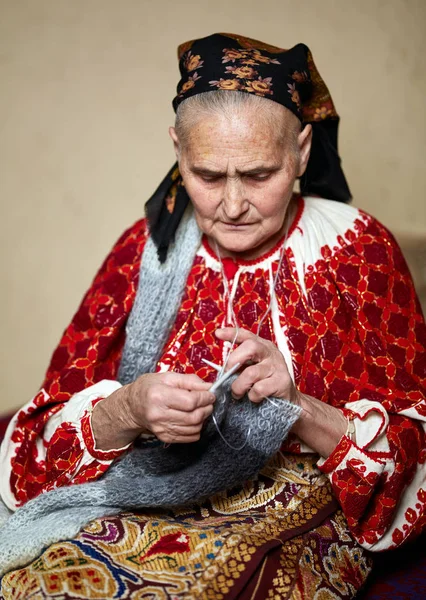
(112, 423)
(320, 425)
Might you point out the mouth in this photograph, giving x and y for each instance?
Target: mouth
(237, 225)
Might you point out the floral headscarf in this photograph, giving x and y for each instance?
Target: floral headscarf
(225, 61)
(234, 63)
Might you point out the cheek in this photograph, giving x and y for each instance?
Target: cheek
(203, 200)
(272, 201)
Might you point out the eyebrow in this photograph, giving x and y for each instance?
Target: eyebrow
(199, 170)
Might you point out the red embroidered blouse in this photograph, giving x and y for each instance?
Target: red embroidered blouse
(345, 316)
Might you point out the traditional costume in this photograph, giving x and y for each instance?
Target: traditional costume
(344, 314)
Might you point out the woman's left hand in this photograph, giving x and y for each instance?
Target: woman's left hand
(320, 426)
(264, 370)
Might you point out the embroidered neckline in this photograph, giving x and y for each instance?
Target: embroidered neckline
(255, 261)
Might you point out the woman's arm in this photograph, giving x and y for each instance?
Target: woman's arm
(380, 477)
(378, 473)
(321, 426)
(377, 377)
(50, 441)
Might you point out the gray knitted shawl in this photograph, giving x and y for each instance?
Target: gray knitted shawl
(152, 475)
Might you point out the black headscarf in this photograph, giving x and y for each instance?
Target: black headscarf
(288, 77)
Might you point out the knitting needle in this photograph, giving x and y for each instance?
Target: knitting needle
(213, 365)
(224, 378)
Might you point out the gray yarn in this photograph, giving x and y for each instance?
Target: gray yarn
(152, 477)
(152, 316)
(155, 476)
(5, 513)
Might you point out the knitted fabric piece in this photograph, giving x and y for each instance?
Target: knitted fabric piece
(153, 477)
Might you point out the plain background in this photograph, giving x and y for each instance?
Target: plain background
(85, 103)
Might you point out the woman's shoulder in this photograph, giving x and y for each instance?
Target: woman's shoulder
(326, 226)
(136, 233)
(127, 251)
(329, 232)
(328, 219)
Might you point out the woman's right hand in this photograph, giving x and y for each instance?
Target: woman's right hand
(172, 406)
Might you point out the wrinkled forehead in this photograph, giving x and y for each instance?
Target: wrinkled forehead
(267, 124)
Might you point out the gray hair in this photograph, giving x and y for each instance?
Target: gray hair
(229, 104)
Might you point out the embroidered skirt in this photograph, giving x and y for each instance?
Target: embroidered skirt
(281, 536)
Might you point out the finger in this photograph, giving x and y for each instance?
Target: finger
(185, 381)
(277, 386)
(176, 431)
(227, 334)
(178, 439)
(246, 380)
(162, 419)
(261, 390)
(181, 425)
(250, 351)
(185, 401)
(197, 417)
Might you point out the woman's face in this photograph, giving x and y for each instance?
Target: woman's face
(239, 174)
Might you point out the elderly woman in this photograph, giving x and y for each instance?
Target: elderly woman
(306, 299)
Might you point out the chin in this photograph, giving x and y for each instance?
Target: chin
(238, 243)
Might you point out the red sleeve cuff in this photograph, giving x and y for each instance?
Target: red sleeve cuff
(337, 456)
(89, 439)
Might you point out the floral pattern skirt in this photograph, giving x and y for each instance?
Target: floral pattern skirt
(280, 536)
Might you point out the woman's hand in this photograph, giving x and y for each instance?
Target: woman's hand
(172, 406)
(320, 426)
(266, 373)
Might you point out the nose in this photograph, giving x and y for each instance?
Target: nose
(234, 201)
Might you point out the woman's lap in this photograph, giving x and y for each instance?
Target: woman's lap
(280, 537)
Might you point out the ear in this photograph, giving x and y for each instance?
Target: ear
(175, 139)
(304, 141)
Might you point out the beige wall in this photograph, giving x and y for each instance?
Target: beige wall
(86, 87)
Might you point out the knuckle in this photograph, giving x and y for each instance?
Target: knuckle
(236, 392)
(151, 419)
(252, 373)
(190, 419)
(253, 397)
(236, 387)
(154, 393)
(259, 389)
(244, 382)
(153, 412)
(191, 402)
(193, 418)
(250, 348)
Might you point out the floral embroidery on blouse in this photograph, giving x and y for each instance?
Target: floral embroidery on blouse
(348, 319)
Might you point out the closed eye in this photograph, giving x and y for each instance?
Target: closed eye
(210, 178)
(207, 176)
(258, 176)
